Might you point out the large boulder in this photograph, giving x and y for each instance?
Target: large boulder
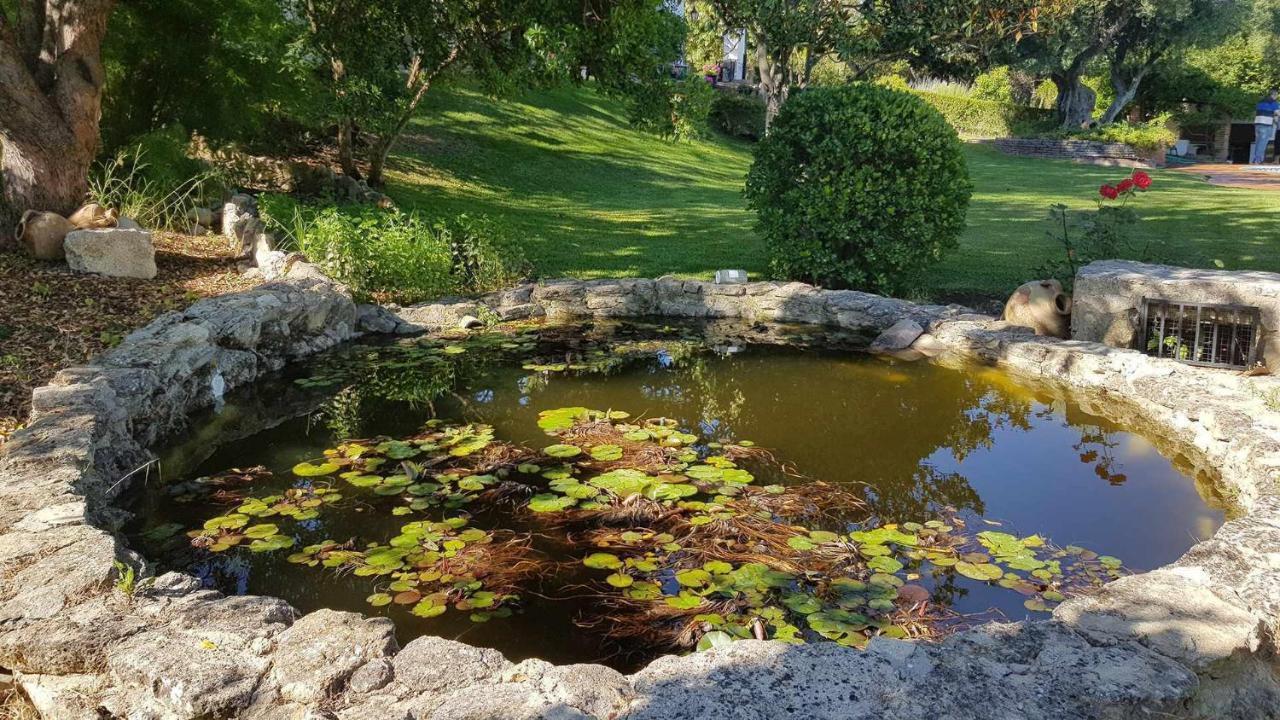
(114, 252)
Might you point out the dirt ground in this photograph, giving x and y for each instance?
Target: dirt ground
(51, 317)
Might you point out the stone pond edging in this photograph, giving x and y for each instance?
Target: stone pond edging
(1196, 638)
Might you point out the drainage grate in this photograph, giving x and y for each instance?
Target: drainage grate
(1224, 336)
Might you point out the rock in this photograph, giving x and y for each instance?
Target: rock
(112, 252)
(1042, 306)
(899, 336)
(234, 211)
(126, 223)
(41, 234)
(433, 664)
(1109, 296)
(93, 216)
(371, 676)
(376, 319)
(318, 653)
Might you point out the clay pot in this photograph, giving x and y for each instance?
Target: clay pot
(1042, 306)
(93, 216)
(41, 234)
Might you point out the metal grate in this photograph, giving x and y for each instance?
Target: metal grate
(1224, 336)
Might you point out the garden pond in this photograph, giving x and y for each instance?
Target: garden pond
(614, 491)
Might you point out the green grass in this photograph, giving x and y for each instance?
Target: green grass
(590, 197)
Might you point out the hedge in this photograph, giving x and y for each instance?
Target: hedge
(988, 119)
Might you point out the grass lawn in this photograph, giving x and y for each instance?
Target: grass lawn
(593, 198)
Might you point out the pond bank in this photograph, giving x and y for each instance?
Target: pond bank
(1193, 639)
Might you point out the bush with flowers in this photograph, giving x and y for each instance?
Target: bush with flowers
(1099, 234)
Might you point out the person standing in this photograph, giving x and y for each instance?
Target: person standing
(1264, 126)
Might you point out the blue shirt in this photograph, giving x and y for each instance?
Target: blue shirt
(1269, 107)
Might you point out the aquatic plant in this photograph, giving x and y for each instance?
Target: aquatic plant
(685, 549)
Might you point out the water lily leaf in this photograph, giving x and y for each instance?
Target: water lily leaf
(801, 543)
(602, 561)
(528, 468)
(428, 609)
(823, 536)
(562, 451)
(258, 532)
(802, 603)
(379, 599)
(551, 503)
(561, 418)
(620, 580)
(606, 453)
(695, 577)
(714, 639)
(644, 590)
(884, 564)
(913, 594)
(983, 571)
(684, 601)
(306, 469)
(271, 543)
(717, 567)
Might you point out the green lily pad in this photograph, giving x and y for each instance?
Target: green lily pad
(602, 561)
(606, 453)
(562, 451)
(306, 469)
(982, 571)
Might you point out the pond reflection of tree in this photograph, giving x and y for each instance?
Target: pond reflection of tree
(894, 427)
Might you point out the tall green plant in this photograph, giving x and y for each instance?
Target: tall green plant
(860, 187)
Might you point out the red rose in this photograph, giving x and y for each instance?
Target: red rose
(1142, 180)
(1109, 192)
(1125, 185)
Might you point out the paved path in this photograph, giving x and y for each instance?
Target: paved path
(1254, 177)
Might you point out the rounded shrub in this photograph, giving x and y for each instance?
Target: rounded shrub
(858, 187)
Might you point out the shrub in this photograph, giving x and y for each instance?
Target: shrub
(859, 186)
(972, 117)
(398, 256)
(672, 108)
(738, 115)
(995, 85)
(1146, 138)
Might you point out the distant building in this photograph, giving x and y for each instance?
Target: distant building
(733, 63)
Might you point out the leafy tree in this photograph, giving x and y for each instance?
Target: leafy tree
(1156, 29)
(51, 79)
(1069, 36)
(214, 68)
(791, 36)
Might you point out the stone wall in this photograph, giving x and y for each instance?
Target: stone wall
(1195, 639)
(1087, 151)
(1108, 299)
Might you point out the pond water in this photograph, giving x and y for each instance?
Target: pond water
(749, 482)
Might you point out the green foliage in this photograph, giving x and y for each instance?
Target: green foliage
(738, 115)
(860, 187)
(673, 108)
(973, 117)
(1146, 138)
(126, 578)
(404, 256)
(1104, 233)
(994, 85)
(154, 182)
(214, 68)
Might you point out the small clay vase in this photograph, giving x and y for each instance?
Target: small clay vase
(41, 234)
(1042, 306)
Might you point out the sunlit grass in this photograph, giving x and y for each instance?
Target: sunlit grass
(590, 197)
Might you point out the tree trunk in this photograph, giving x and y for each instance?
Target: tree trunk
(773, 81)
(419, 82)
(51, 80)
(346, 148)
(1126, 90)
(1076, 101)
